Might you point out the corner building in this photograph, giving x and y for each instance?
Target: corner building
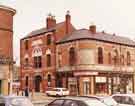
(83, 60)
(6, 48)
(91, 62)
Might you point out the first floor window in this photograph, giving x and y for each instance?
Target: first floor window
(37, 62)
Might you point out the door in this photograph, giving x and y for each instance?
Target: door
(38, 80)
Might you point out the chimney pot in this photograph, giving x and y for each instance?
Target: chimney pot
(92, 29)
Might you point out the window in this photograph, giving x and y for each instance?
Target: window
(109, 58)
(70, 103)
(26, 61)
(100, 55)
(48, 39)
(26, 45)
(48, 60)
(37, 62)
(57, 102)
(116, 57)
(128, 58)
(122, 59)
(26, 80)
(72, 57)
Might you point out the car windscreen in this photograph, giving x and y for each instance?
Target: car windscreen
(109, 101)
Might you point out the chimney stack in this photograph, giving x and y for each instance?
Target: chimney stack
(50, 21)
(92, 29)
(67, 21)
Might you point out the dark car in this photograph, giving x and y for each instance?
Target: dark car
(109, 101)
(14, 101)
(76, 101)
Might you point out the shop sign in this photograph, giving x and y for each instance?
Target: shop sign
(85, 73)
(101, 80)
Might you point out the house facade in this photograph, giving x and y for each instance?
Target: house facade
(38, 54)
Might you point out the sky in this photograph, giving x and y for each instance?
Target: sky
(112, 16)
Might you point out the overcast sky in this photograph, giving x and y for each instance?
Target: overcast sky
(112, 16)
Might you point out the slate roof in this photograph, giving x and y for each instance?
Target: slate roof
(86, 34)
(44, 30)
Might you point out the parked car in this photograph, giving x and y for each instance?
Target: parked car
(104, 99)
(14, 101)
(76, 101)
(124, 99)
(57, 92)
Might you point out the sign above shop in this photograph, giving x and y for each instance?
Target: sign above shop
(85, 73)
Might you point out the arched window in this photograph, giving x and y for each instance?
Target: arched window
(48, 39)
(128, 58)
(48, 60)
(109, 58)
(72, 56)
(122, 59)
(100, 55)
(26, 45)
(26, 61)
(116, 57)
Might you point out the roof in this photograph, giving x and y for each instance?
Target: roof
(101, 36)
(7, 8)
(44, 30)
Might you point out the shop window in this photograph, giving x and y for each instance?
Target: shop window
(48, 60)
(48, 39)
(37, 62)
(128, 58)
(72, 57)
(109, 58)
(100, 55)
(26, 45)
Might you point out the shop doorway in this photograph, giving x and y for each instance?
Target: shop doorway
(38, 80)
(86, 87)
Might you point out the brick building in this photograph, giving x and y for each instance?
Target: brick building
(84, 60)
(6, 48)
(91, 62)
(38, 54)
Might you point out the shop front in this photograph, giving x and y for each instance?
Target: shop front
(89, 83)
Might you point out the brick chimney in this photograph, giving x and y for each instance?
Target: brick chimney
(50, 21)
(67, 22)
(92, 29)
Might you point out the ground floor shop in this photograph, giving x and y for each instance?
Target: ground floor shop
(87, 83)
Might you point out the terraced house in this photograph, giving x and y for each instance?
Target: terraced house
(83, 60)
(38, 54)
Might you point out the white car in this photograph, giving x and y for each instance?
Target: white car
(57, 92)
(124, 99)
